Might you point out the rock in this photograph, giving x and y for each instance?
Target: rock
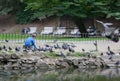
(26, 68)
(14, 56)
(62, 64)
(1, 57)
(12, 60)
(30, 61)
(27, 65)
(69, 61)
(41, 64)
(75, 62)
(15, 66)
(6, 56)
(81, 66)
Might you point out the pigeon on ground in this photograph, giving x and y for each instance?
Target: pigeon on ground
(72, 45)
(110, 52)
(83, 50)
(50, 49)
(95, 43)
(6, 40)
(65, 46)
(117, 63)
(47, 45)
(55, 46)
(4, 47)
(9, 48)
(111, 58)
(58, 46)
(62, 54)
(71, 50)
(40, 49)
(17, 49)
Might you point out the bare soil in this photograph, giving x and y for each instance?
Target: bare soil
(8, 24)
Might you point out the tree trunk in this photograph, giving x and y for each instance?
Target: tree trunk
(80, 24)
(59, 22)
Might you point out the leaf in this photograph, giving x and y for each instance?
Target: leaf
(5, 11)
(99, 3)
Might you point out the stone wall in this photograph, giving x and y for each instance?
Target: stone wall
(39, 61)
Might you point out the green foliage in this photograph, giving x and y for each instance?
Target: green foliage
(5, 11)
(9, 6)
(79, 8)
(41, 9)
(116, 15)
(23, 17)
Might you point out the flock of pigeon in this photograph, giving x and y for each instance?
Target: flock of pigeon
(111, 56)
(51, 48)
(46, 47)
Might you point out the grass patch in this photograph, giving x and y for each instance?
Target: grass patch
(77, 54)
(8, 52)
(48, 37)
(51, 54)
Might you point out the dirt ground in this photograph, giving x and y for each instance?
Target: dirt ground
(8, 24)
(102, 47)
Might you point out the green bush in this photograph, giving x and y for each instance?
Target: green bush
(23, 17)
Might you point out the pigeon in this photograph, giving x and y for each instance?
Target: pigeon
(4, 47)
(17, 49)
(101, 54)
(110, 52)
(50, 49)
(58, 46)
(108, 48)
(55, 46)
(6, 40)
(65, 46)
(111, 58)
(95, 43)
(72, 45)
(47, 45)
(9, 48)
(62, 54)
(83, 50)
(44, 49)
(71, 50)
(117, 63)
(40, 49)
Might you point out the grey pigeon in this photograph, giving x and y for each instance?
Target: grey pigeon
(71, 50)
(83, 50)
(62, 54)
(17, 49)
(117, 63)
(9, 48)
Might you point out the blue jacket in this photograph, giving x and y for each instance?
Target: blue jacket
(30, 42)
